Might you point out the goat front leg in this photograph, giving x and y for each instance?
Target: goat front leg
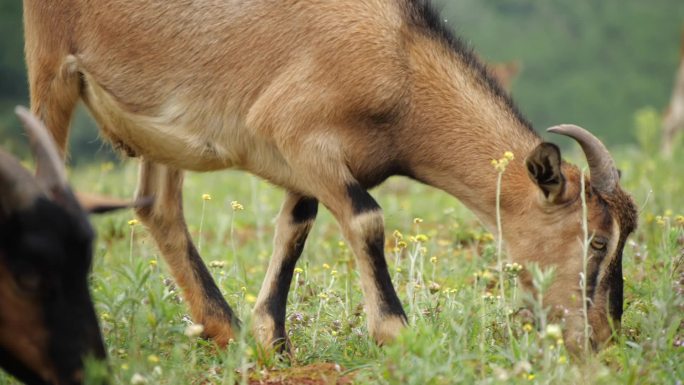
(166, 223)
(295, 219)
(361, 220)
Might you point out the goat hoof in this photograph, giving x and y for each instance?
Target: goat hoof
(387, 329)
(221, 332)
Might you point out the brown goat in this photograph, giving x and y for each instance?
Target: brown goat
(47, 319)
(325, 99)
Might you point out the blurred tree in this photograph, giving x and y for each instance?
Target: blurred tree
(13, 86)
(587, 62)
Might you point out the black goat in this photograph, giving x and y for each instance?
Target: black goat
(47, 319)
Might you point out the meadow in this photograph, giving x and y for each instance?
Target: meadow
(443, 264)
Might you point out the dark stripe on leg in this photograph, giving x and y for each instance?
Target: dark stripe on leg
(375, 248)
(361, 200)
(277, 302)
(216, 304)
(302, 216)
(306, 209)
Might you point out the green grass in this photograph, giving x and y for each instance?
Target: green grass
(442, 266)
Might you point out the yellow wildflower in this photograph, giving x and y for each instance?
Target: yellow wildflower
(487, 237)
(206, 197)
(421, 238)
(513, 268)
(217, 264)
(649, 218)
(486, 275)
(236, 206)
(500, 165)
(133, 222)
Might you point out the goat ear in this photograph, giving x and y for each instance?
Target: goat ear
(544, 168)
(96, 204)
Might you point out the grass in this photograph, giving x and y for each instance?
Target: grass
(443, 264)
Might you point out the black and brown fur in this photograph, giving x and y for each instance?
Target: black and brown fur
(47, 319)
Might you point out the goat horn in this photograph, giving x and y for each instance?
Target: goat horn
(51, 174)
(604, 175)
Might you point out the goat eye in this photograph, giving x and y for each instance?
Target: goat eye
(599, 243)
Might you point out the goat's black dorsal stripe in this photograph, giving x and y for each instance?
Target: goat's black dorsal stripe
(423, 14)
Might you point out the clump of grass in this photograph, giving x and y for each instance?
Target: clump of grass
(458, 334)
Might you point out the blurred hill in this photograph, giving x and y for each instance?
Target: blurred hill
(593, 63)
